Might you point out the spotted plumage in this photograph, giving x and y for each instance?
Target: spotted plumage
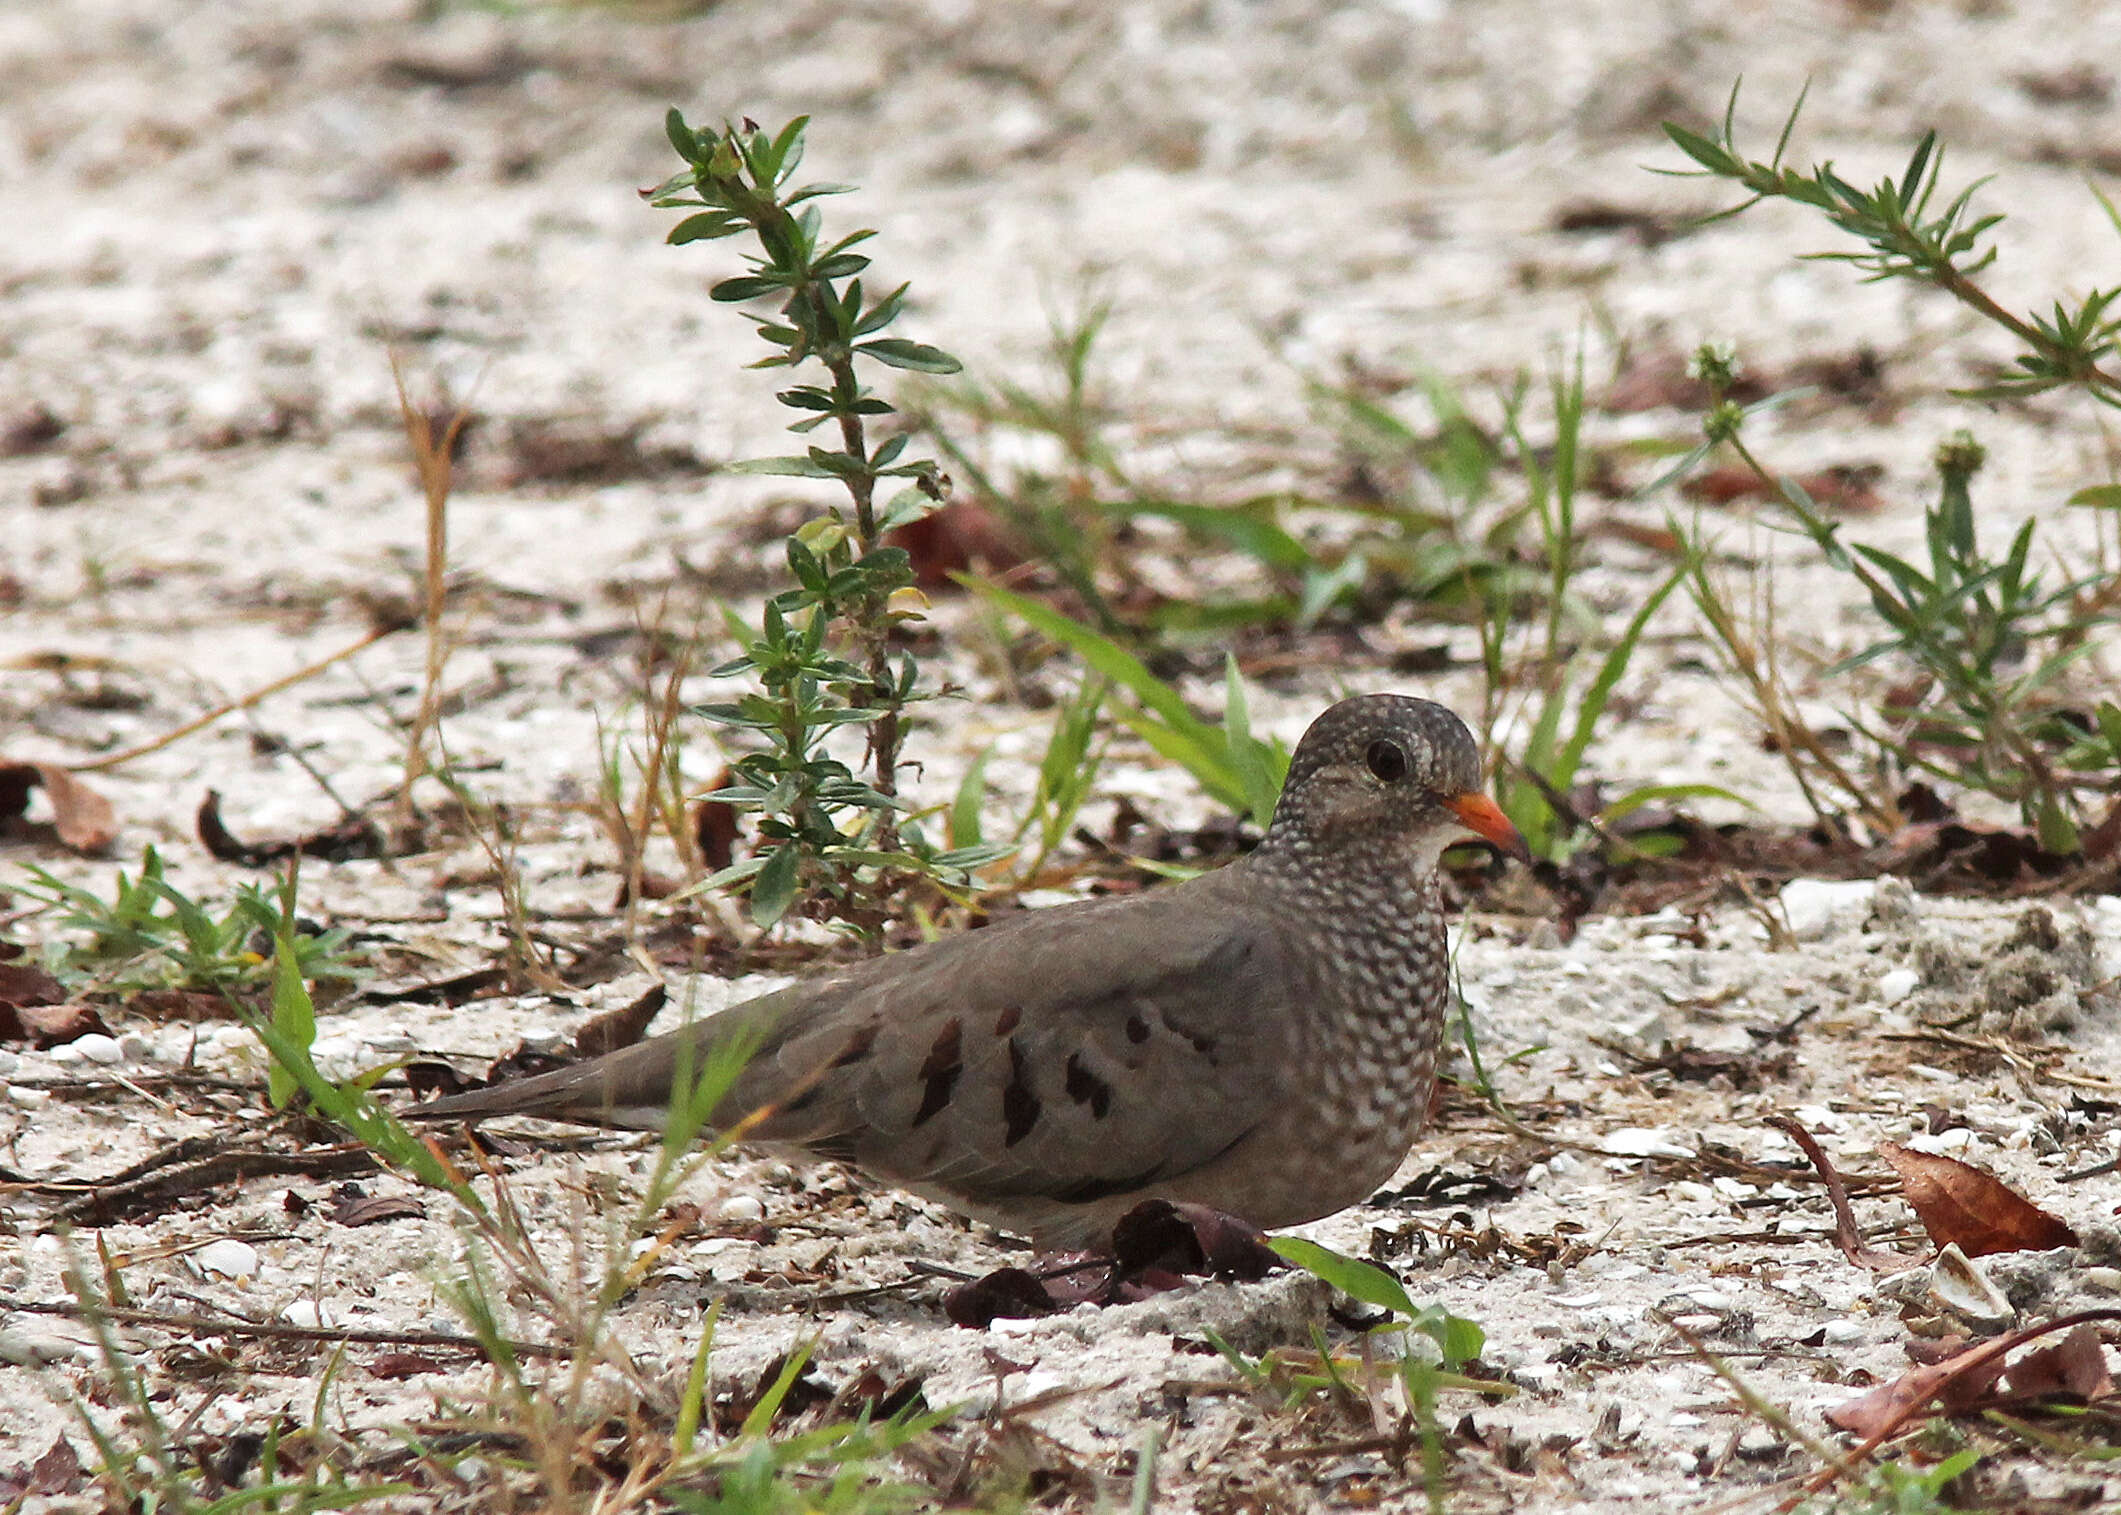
(1262, 1039)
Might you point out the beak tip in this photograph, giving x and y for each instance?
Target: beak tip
(1484, 818)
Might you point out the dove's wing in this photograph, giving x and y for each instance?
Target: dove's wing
(1070, 1054)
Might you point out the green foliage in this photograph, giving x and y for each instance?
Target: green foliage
(150, 935)
(822, 658)
(1987, 639)
(1566, 684)
(1434, 1344)
(1966, 624)
(1899, 1488)
(1236, 768)
(1908, 234)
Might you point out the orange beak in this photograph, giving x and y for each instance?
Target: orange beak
(1484, 818)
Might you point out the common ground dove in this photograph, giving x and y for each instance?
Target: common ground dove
(1261, 1039)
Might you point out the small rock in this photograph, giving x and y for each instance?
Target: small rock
(28, 1099)
(2101, 1280)
(310, 1313)
(1642, 1141)
(226, 1258)
(1812, 906)
(1896, 984)
(1842, 1333)
(743, 1209)
(98, 1048)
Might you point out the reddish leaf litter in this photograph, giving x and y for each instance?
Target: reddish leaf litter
(1959, 1204)
(82, 819)
(1156, 1247)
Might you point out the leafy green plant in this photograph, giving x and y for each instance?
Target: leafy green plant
(823, 657)
(150, 935)
(1909, 232)
(1539, 647)
(1899, 1488)
(1433, 1344)
(1987, 641)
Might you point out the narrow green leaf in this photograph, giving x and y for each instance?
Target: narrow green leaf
(917, 356)
(773, 891)
(1353, 1277)
(744, 287)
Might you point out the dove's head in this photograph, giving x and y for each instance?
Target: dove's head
(1392, 776)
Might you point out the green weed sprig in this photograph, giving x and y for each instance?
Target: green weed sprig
(822, 657)
(1907, 236)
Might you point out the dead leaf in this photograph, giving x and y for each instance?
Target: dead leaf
(370, 1209)
(959, 537)
(353, 837)
(48, 1026)
(2074, 1365)
(1960, 1203)
(1004, 1294)
(1164, 1236)
(621, 1027)
(1965, 1379)
(21, 984)
(82, 818)
(1847, 488)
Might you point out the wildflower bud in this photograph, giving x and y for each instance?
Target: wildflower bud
(1716, 365)
(1959, 456)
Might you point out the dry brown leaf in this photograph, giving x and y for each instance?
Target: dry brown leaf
(1960, 1203)
(21, 984)
(82, 818)
(47, 1026)
(2074, 1365)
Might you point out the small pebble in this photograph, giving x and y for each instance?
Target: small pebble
(98, 1048)
(743, 1209)
(1813, 905)
(1897, 984)
(1842, 1333)
(29, 1099)
(308, 1312)
(226, 1258)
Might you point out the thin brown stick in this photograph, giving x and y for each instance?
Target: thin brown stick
(435, 462)
(1847, 1234)
(230, 707)
(229, 1325)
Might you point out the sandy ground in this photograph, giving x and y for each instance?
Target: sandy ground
(222, 221)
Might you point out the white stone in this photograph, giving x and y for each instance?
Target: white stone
(226, 1258)
(310, 1313)
(1896, 984)
(743, 1209)
(1643, 1141)
(1812, 906)
(28, 1099)
(1842, 1333)
(98, 1048)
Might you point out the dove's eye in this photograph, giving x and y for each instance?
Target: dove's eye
(1388, 760)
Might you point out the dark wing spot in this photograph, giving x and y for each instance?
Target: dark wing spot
(858, 1047)
(1091, 1190)
(837, 1148)
(1137, 1029)
(940, 1072)
(1020, 1106)
(1202, 1042)
(1006, 1021)
(1086, 1088)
